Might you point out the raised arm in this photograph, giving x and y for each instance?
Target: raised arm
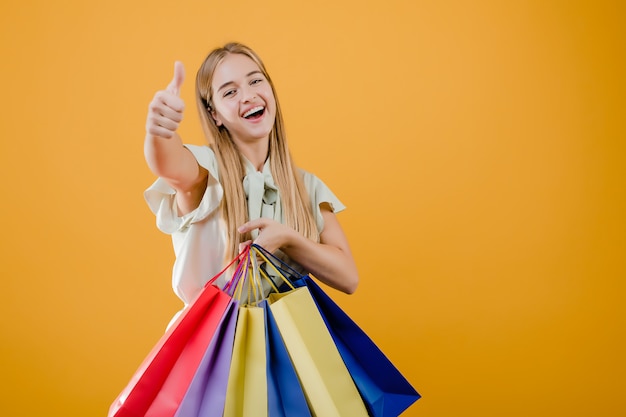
(163, 148)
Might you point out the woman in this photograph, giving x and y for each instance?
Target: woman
(243, 186)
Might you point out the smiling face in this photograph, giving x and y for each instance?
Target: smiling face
(242, 99)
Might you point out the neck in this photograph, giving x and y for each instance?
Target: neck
(255, 152)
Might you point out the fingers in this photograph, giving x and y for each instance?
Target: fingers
(165, 112)
(243, 245)
(251, 225)
(177, 80)
(272, 235)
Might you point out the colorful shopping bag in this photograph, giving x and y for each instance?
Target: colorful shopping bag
(284, 393)
(385, 391)
(246, 393)
(177, 352)
(329, 389)
(383, 388)
(207, 391)
(281, 389)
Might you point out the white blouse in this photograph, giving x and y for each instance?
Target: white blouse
(200, 237)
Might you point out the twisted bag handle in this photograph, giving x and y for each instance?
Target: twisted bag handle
(283, 269)
(231, 286)
(245, 285)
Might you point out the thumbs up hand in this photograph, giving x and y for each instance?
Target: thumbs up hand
(165, 111)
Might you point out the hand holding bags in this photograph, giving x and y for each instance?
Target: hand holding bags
(239, 352)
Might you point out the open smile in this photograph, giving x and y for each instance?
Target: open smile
(254, 113)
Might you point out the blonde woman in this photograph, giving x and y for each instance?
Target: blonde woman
(243, 186)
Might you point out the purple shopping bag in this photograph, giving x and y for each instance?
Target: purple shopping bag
(207, 391)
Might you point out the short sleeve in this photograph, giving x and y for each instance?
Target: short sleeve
(320, 193)
(161, 197)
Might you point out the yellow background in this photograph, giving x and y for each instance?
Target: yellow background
(479, 147)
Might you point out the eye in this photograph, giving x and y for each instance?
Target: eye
(228, 93)
(256, 81)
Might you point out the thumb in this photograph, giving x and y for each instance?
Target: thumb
(243, 245)
(177, 80)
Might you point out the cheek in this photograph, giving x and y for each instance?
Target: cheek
(268, 97)
(227, 112)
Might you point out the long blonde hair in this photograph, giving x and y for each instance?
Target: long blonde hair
(296, 207)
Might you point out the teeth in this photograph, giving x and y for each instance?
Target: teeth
(253, 110)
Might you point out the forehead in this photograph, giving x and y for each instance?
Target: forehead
(233, 68)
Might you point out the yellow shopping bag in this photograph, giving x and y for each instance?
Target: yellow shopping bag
(326, 382)
(246, 394)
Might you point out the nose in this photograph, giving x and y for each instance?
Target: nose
(248, 95)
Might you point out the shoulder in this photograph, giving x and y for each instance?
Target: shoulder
(319, 192)
(309, 178)
(206, 158)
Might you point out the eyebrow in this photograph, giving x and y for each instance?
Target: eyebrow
(232, 82)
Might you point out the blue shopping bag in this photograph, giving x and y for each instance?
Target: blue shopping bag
(385, 391)
(285, 395)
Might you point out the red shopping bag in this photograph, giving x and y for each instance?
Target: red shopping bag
(162, 379)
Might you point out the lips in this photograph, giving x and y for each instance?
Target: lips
(254, 113)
